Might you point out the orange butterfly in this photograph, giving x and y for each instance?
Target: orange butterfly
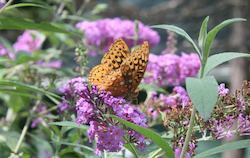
(120, 71)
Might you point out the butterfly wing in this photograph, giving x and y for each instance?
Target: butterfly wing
(116, 54)
(107, 79)
(98, 73)
(120, 72)
(135, 65)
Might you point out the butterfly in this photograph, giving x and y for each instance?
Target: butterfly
(120, 72)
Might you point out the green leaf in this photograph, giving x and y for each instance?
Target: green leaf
(203, 33)
(25, 5)
(156, 138)
(76, 145)
(16, 102)
(9, 23)
(132, 149)
(212, 34)
(25, 88)
(41, 142)
(220, 58)
(69, 124)
(10, 138)
(203, 93)
(225, 147)
(24, 57)
(100, 7)
(181, 32)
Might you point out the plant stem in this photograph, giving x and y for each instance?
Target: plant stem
(25, 128)
(189, 133)
(192, 118)
(24, 131)
(6, 5)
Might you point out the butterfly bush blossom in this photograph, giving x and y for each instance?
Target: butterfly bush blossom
(91, 106)
(175, 111)
(29, 41)
(101, 33)
(230, 117)
(171, 69)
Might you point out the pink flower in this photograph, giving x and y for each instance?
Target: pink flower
(171, 69)
(222, 90)
(29, 41)
(101, 33)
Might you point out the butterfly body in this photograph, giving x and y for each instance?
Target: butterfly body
(120, 71)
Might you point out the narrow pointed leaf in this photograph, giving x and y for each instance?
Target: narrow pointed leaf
(203, 93)
(25, 5)
(220, 58)
(203, 33)
(7, 23)
(181, 32)
(68, 124)
(212, 34)
(156, 138)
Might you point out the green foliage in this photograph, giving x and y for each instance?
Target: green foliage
(203, 34)
(149, 134)
(10, 23)
(180, 32)
(220, 58)
(69, 124)
(203, 93)
(25, 88)
(19, 5)
(212, 34)
(225, 147)
(66, 138)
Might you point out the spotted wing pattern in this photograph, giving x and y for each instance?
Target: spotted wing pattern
(116, 54)
(135, 65)
(120, 71)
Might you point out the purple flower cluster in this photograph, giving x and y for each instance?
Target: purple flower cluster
(171, 69)
(178, 99)
(91, 106)
(231, 117)
(29, 41)
(223, 128)
(230, 126)
(101, 33)
(107, 138)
